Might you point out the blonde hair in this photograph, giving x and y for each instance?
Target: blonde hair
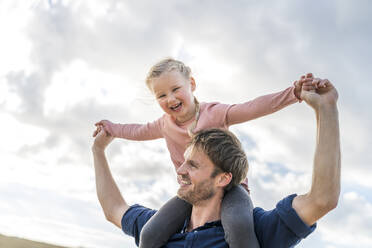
(167, 65)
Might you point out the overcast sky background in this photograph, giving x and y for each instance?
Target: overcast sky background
(66, 64)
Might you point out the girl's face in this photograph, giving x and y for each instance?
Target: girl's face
(174, 94)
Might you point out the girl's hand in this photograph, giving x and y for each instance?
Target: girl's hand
(305, 81)
(103, 124)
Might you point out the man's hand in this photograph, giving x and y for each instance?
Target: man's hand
(325, 94)
(102, 140)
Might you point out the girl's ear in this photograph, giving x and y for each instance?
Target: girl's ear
(193, 84)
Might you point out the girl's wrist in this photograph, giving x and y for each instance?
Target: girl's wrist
(297, 92)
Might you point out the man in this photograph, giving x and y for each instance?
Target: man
(213, 162)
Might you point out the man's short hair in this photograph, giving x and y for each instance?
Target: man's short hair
(225, 151)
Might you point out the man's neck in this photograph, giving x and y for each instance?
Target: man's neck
(206, 211)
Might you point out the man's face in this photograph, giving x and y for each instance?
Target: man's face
(194, 176)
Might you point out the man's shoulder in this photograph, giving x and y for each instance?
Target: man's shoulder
(137, 211)
(134, 219)
(281, 225)
(285, 203)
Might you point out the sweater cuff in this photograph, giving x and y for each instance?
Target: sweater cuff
(294, 92)
(110, 128)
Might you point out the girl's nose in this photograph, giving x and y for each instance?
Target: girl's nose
(171, 98)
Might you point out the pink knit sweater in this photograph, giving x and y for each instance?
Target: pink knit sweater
(212, 115)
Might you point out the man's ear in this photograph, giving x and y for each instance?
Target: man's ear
(192, 83)
(224, 179)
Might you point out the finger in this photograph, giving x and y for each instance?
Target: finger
(107, 133)
(323, 83)
(315, 82)
(297, 84)
(101, 122)
(309, 75)
(316, 79)
(101, 132)
(306, 79)
(308, 88)
(98, 129)
(302, 79)
(328, 83)
(106, 129)
(308, 83)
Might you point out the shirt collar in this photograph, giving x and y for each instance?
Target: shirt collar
(205, 226)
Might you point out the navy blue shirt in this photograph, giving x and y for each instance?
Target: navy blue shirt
(280, 227)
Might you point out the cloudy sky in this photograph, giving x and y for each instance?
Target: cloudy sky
(66, 64)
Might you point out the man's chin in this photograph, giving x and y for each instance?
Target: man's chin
(182, 194)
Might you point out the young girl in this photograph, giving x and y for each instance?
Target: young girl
(171, 83)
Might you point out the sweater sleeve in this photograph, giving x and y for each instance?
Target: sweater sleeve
(260, 106)
(140, 132)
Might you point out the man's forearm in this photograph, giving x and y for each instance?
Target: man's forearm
(325, 187)
(109, 196)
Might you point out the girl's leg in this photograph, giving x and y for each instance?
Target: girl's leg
(167, 221)
(237, 219)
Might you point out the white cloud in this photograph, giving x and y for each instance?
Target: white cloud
(16, 134)
(15, 46)
(350, 224)
(77, 82)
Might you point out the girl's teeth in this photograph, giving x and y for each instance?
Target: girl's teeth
(175, 107)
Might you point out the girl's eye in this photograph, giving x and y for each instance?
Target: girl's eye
(161, 96)
(175, 89)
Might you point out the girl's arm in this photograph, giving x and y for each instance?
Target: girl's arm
(140, 132)
(260, 106)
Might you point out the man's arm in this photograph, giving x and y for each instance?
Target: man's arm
(325, 188)
(109, 196)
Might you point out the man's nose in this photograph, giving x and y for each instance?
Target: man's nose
(182, 169)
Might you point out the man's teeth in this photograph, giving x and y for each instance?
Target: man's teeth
(185, 182)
